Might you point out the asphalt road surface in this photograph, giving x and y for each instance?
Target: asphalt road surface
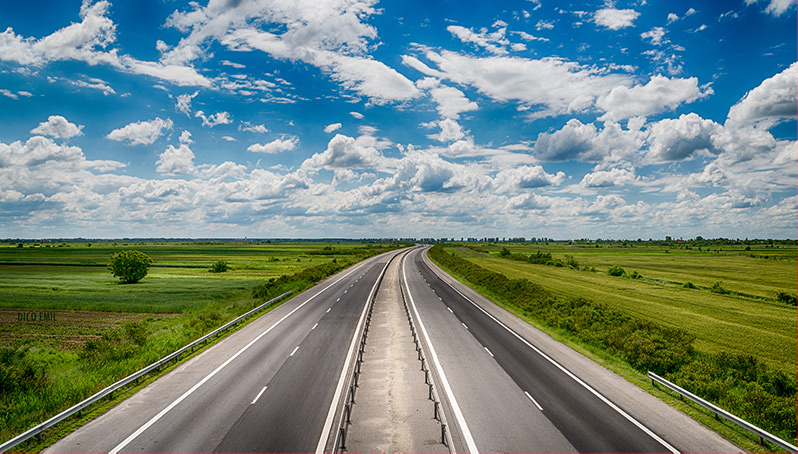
(267, 388)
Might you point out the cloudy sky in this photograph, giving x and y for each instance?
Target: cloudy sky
(366, 118)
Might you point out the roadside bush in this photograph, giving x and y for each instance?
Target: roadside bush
(744, 386)
(116, 344)
(219, 267)
(718, 288)
(540, 258)
(129, 266)
(571, 262)
(616, 270)
(204, 323)
(18, 372)
(786, 298)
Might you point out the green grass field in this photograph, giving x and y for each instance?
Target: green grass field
(178, 281)
(749, 321)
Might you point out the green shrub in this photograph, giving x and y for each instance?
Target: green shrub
(204, 323)
(504, 252)
(744, 386)
(219, 267)
(635, 275)
(786, 298)
(19, 372)
(571, 262)
(718, 288)
(688, 284)
(115, 344)
(540, 258)
(616, 270)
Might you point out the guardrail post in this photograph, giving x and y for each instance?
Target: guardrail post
(443, 434)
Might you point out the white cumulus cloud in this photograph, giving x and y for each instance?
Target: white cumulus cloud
(219, 118)
(608, 178)
(141, 132)
(773, 101)
(658, 95)
(275, 146)
(615, 19)
(682, 138)
(58, 127)
(526, 177)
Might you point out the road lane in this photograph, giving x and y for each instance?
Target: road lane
(585, 419)
(317, 321)
(291, 414)
(498, 416)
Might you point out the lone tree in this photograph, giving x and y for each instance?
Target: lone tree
(129, 266)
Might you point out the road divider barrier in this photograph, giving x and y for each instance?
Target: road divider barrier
(78, 408)
(345, 417)
(719, 412)
(438, 414)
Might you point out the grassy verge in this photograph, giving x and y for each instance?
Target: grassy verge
(97, 331)
(739, 383)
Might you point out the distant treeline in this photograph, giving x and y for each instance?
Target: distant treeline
(739, 383)
(668, 241)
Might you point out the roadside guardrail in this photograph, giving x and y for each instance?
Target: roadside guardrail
(719, 412)
(109, 391)
(345, 418)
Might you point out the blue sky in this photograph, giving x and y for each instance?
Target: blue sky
(360, 118)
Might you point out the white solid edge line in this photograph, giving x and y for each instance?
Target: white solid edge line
(258, 396)
(469, 439)
(177, 401)
(534, 401)
(340, 387)
(564, 370)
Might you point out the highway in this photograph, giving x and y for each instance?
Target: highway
(277, 384)
(267, 388)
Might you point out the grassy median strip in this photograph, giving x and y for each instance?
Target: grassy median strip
(741, 383)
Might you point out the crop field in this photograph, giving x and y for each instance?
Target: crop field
(69, 328)
(747, 319)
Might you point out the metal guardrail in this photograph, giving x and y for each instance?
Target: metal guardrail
(438, 413)
(763, 435)
(345, 418)
(109, 391)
